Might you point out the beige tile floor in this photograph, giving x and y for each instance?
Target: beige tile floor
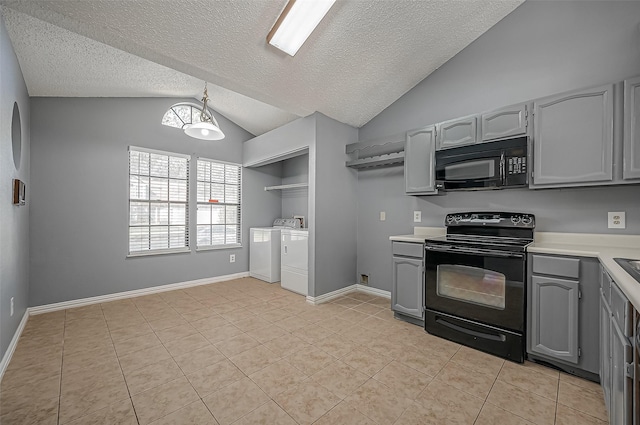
(246, 352)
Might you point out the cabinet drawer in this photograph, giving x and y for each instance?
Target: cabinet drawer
(621, 310)
(408, 249)
(557, 266)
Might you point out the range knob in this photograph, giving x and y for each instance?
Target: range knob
(515, 219)
(458, 218)
(527, 219)
(449, 219)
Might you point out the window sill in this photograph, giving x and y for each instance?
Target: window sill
(218, 247)
(158, 252)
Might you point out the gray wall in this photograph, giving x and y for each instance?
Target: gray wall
(295, 201)
(540, 49)
(79, 198)
(14, 221)
(335, 208)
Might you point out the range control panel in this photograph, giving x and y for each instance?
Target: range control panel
(287, 223)
(517, 165)
(491, 219)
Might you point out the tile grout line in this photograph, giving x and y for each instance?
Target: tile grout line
(172, 358)
(555, 416)
(490, 389)
(120, 365)
(64, 330)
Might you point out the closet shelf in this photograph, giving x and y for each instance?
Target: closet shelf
(287, 186)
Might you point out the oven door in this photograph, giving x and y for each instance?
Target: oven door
(468, 171)
(482, 285)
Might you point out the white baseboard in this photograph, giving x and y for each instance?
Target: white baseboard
(13, 344)
(373, 291)
(343, 291)
(48, 308)
(330, 295)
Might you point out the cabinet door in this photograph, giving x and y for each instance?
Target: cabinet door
(573, 138)
(407, 290)
(554, 318)
(631, 129)
(419, 161)
(605, 350)
(505, 122)
(458, 132)
(620, 412)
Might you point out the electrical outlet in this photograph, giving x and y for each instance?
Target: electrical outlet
(383, 216)
(232, 258)
(11, 306)
(617, 220)
(417, 216)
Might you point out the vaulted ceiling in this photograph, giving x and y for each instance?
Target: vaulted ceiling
(363, 56)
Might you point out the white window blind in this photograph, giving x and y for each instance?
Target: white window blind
(219, 204)
(158, 202)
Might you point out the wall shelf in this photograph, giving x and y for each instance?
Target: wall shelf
(380, 152)
(287, 186)
(377, 161)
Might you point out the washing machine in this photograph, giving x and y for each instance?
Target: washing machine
(294, 260)
(264, 249)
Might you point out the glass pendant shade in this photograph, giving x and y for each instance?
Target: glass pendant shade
(204, 130)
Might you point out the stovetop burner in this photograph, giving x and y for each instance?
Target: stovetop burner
(494, 230)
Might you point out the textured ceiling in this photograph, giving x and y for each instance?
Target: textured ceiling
(362, 57)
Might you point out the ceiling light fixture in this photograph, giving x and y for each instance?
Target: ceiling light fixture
(207, 128)
(296, 22)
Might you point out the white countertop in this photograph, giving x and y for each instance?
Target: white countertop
(605, 247)
(420, 234)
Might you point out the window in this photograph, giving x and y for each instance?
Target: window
(219, 215)
(183, 114)
(158, 202)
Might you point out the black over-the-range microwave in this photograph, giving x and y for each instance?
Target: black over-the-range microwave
(494, 165)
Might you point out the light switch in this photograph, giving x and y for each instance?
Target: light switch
(383, 216)
(617, 220)
(417, 216)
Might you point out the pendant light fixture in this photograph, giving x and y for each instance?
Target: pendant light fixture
(207, 128)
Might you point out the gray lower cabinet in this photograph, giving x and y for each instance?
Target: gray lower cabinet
(510, 121)
(419, 161)
(554, 324)
(631, 149)
(407, 291)
(573, 138)
(458, 132)
(605, 350)
(616, 350)
(563, 298)
(621, 405)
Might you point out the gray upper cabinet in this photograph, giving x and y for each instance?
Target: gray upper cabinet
(506, 122)
(554, 318)
(573, 138)
(419, 161)
(631, 129)
(458, 132)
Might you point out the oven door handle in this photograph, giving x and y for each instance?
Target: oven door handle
(476, 251)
